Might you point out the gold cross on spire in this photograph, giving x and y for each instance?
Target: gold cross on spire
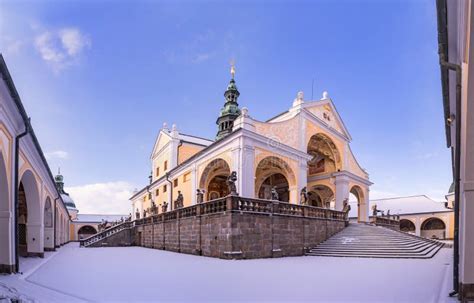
(232, 68)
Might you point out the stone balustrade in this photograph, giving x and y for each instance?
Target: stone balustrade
(386, 222)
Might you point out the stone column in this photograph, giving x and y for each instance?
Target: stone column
(246, 168)
(364, 207)
(342, 190)
(417, 227)
(302, 179)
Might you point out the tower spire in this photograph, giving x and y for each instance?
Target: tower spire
(231, 110)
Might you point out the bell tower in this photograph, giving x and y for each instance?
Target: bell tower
(231, 110)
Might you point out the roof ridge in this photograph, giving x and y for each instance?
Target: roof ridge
(196, 137)
(401, 197)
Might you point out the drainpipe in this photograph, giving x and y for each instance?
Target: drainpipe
(457, 169)
(171, 189)
(16, 184)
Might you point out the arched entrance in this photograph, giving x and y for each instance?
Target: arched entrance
(321, 196)
(22, 222)
(407, 226)
(326, 157)
(433, 228)
(280, 183)
(30, 220)
(85, 232)
(273, 172)
(362, 209)
(213, 179)
(6, 240)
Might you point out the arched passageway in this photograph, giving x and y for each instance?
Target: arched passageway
(280, 183)
(407, 226)
(321, 196)
(326, 157)
(6, 238)
(433, 228)
(30, 217)
(86, 231)
(273, 172)
(22, 222)
(213, 179)
(362, 207)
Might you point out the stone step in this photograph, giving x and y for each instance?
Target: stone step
(367, 241)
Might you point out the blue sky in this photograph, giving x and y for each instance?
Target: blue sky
(100, 78)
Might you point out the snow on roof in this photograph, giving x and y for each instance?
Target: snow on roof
(98, 218)
(403, 205)
(195, 140)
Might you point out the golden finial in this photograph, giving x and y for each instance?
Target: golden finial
(232, 68)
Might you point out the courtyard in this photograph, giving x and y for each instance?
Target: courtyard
(137, 274)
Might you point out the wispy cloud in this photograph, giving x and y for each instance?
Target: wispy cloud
(61, 48)
(102, 198)
(57, 154)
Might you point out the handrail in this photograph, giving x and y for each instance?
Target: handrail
(105, 233)
(242, 204)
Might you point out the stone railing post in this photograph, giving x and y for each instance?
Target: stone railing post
(231, 202)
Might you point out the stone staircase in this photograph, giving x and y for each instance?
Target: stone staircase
(113, 233)
(370, 241)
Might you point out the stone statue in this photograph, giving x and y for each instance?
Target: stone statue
(346, 208)
(154, 209)
(164, 207)
(231, 183)
(303, 196)
(275, 194)
(200, 196)
(179, 203)
(388, 214)
(144, 213)
(374, 210)
(137, 214)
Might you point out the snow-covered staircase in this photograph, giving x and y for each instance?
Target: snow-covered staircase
(106, 234)
(369, 241)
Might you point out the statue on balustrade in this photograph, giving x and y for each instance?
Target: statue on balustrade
(231, 183)
(275, 195)
(374, 210)
(388, 214)
(179, 202)
(137, 214)
(154, 209)
(144, 213)
(200, 196)
(304, 196)
(346, 208)
(164, 207)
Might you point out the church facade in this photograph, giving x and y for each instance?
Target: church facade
(301, 156)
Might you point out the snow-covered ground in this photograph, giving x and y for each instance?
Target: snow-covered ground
(134, 274)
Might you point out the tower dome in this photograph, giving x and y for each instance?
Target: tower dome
(68, 201)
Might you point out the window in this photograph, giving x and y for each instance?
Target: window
(175, 182)
(157, 192)
(164, 188)
(166, 165)
(186, 177)
(157, 171)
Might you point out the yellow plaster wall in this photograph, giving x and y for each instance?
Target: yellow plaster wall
(186, 151)
(261, 154)
(184, 187)
(6, 142)
(280, 132)
(320, 110)
(159, 158)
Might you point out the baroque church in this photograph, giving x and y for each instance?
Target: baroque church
(301, 152)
